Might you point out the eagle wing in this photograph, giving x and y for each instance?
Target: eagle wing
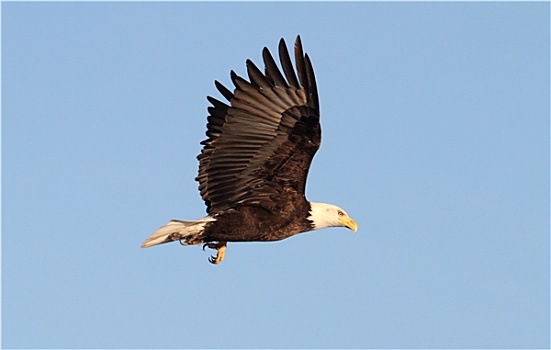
(259, 147)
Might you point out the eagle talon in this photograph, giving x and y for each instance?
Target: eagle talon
(221, 251)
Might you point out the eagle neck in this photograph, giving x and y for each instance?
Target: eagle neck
(320, 216)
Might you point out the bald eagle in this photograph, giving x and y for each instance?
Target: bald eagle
(255, 160)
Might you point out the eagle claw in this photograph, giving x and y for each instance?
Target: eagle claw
(221, 250)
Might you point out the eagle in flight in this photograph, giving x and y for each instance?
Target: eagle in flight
(255, 160)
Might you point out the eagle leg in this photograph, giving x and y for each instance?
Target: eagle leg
(221, 251)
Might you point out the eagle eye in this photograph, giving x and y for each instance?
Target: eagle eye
(340, 213)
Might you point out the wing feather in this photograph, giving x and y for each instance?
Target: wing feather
(256, 77)
(223, 90)
(287, 65)
(313, 87)
(272, 72)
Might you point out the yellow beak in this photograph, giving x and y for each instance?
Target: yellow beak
(350, 223)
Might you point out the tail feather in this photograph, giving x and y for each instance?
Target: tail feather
(175, 230)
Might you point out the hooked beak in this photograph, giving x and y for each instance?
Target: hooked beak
(350, 223)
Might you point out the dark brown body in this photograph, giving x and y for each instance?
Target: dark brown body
(255, 223)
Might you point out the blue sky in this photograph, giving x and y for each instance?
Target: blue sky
(436, 140)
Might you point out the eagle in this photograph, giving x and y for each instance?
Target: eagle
(254, 163)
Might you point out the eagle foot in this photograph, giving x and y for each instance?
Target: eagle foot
(221, 251)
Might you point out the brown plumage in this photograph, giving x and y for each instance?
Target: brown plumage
(255, 160)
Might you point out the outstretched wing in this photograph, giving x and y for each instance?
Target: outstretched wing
(260, 146)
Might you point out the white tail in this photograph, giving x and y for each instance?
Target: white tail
(188, 231)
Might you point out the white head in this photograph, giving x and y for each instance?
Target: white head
(327, 215)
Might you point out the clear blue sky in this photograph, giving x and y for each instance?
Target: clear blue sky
(436, 140)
